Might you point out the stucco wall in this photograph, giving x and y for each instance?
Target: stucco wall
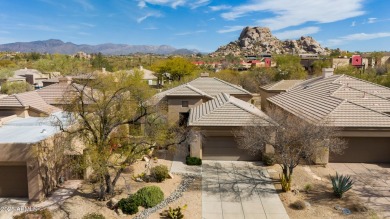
(21, 153)
(175, 106)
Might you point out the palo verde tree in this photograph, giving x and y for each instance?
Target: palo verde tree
(104, 111)
(293, 139)
(177, 67)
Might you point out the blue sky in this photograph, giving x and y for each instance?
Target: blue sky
(362, 25)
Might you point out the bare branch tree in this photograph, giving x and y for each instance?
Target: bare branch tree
(293, 139)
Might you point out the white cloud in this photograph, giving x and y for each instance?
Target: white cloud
(357, 37)
(229, 29)
(199, 3)
(220, 7)
(293, 34)
(353, 24)
(85, 4)
(294, 13)
(190, 33)
(150, 28)
(171, 3)
(38, 27)
(151, 14)
(371, 20)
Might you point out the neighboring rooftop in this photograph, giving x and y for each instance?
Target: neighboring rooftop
(55, 93)
(28, 99)
(203, 86)
(31, 129)
(282, 85)
(226, 110)
(148, 75)
(342, 100)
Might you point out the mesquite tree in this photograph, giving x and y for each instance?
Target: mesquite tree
(111, 114)
(292, 138)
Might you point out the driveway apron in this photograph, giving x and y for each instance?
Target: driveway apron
(238, 189)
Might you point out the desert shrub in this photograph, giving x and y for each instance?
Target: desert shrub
(268, 159)
(160, 172)
(129, 205)
(42, 214)
(149, 196)
(94, 216)
(174, 213)
(341, 184)
(128, 169)
(308, 187)
(298, 205)
(193, 161)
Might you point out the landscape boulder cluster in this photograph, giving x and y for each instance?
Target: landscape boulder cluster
(259, 40)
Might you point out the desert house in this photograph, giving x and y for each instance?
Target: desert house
(361, 110)
(215, 108)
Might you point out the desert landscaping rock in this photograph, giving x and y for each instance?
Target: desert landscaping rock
(183, 186)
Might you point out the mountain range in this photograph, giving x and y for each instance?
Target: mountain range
(58, 46)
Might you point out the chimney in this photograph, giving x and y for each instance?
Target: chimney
(326, 72)
(65, 80)
(204, 75)
(104, 70)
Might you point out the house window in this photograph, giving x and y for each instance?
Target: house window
(184, 103)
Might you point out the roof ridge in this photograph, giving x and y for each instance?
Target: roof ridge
(373, 94)
(368, 108)
(20, 101)
(197, 90)
(234, 102)
(230, 84)
(369, 82)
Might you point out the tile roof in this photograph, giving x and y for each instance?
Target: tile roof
(341, 100)
(203, 86)
(28, 99)
(226, 110)
(282, 85)
(55, 93)
(148, 75)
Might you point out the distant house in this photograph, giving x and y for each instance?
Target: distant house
(148, 76)
(360, 108)
(215, 109)
(32, 76)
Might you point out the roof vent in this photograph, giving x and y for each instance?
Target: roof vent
(326, 72)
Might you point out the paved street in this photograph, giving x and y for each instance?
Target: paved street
(236, 189)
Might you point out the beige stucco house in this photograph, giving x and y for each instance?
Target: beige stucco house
(215, 109)
(361, 110)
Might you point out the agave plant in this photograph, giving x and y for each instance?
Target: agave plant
(341, 184)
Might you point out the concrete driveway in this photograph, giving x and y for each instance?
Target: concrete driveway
(372, 184)
(236, 189)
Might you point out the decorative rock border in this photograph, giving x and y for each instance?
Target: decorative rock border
(187, 180)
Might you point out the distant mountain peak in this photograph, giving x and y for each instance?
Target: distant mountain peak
(58, 46)
(258, 40)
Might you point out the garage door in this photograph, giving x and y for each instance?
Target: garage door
(224, 148)
(368, 150)
(13, 181)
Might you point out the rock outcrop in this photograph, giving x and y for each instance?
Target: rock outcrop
(259, 40)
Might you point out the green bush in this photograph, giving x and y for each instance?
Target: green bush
(193, 161)
(149, 196)
(129, 205)
(268, 159)
(42, 214)
(94, 216)
(160, 172)
(341, 184)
